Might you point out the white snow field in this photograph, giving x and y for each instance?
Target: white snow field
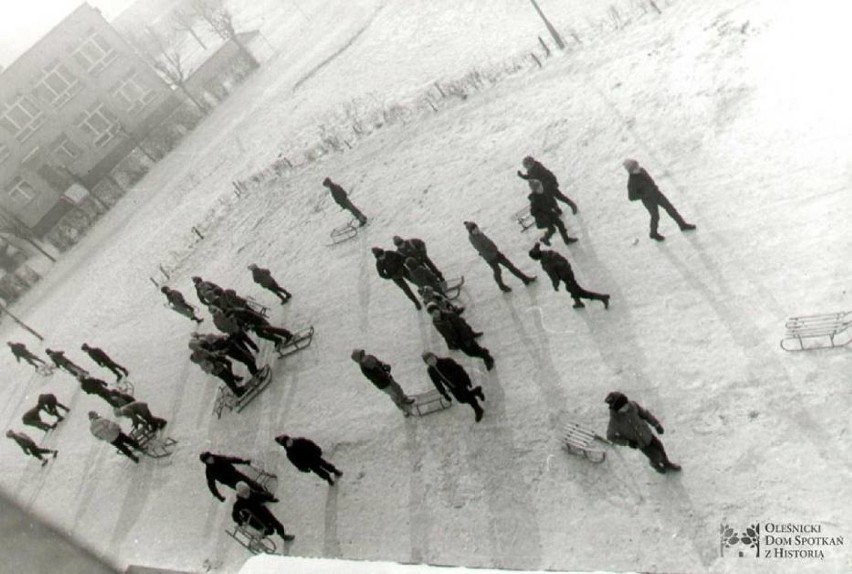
(739, 109)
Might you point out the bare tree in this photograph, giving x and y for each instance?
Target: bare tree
(184, 20)
(221, 21)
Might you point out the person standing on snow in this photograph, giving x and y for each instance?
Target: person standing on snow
(416, 248)
(21, 352)
(104, 360)
(458, 334)
(543, 210)
(379, 374)
(391, 266)
(641, 187)
(489, 251)
(221, 468)
(559, 270)
(29, 446)
(341, 198)
(51, 405)
(537, 171)
(178, 303)
(60, 360)
(109, 431)
(263, 277)
(629, 426)
(140, 415)
(450, 377)
(250, 510)
(306, 455)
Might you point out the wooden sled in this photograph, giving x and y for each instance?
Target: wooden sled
(452, 287)
(267, 480)
(153, 444)
(124, 386)
(344, 233)
(826, 331)
(523, 218)
(254, 540)
(579, 440)
(257, 307)
(428, 402)
(301, 340)
(227, 400)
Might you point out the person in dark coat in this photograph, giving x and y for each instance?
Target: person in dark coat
(379, 374)
(141, 416)
(228, 324)
(29, 446)
(641, 187)
(544, 211)
(421, 276)
(21, 352)
(306, 455)
(341, 198)
(250, 510)
(535, 170)
(391, 266)
(489, 251)
(178, 303)
(60, 360)
(559, 270)
(221, 468)
(429, 295)
(416, 248)
(228, 347)
(51, 405)
(459, 335)
(450, 377)
(264, 278)
(104, 360)
(207, 291)
(214, 363)
(99, 388)
(629, 426)
(32, 418)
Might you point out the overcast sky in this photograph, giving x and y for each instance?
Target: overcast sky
(22, 22)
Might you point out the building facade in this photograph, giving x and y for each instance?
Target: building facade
(71, 107)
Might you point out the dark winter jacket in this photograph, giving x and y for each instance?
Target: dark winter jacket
(93, 386)
(391, 265)
(413, 247)
(448, 376)
(377, 371)
(208, 292)
(20, 350)
(176, 298)
(641, 186)
(251, 511)
(263, 277)
(99, 356)
(27, 444)
(304, 454)
(455, 330)
(544, 175)
(556, 267)
(338, 194)
(222, 470)
(421, 276)
(34, 414)
(486, 248)
(225, 322)
(630, 425)
(543, 209)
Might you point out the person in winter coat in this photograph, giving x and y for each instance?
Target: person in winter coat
(489, 251)
(264, 278)
(543, 211)
(217, 365)
(379, 374)
(60, 360)
(559, 270)
(629, 426)
(341, 198)
(307, 457)
(178, 303)
(250, 510)
(228, 324)
(32, 418)
(641, 187)
(459, 335)
(104, 360)
(51, 405)
(450, 377)
(140, 415)
(391, 266)
(21, 352)
(207, 291)
(416, 248)
(219, 468)
(429, 295)
(227, 346)
(99, 388)
(29, 446)
(420, 275)
(109, 431)
(535, 170)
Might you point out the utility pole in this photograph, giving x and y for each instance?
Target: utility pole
(556, 37)
(4, 309)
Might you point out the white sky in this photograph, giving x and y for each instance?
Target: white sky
(23, 22)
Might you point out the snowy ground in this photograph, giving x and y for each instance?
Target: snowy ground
(738, 108)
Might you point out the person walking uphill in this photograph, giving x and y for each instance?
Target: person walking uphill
(448, 376)
(391, 266)
(535, 170)
(544, 211)
(29, 446)
(379, 374)
(341, 198)
(250, 510)
(264, 278)
(21, 352)
(306, 455)
(220, 468)
(489, 251)
(104, 360)
(629, 426)
(416, 248)
(109, 431)
(178, 303)
(641, 187)
(559, 270)
(459, 335)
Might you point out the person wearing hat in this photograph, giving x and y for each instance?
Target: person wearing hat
(450, 377)
(178, 303)
(544, 211)
(263, 277)
(391, 266)
(306, 455)
(109, 431)
(221, 468)
(228, 346)
(379, 374)
(250, 510)
(140, 415)
(104, 360)
(21, 352)
(559, 270)
(341, 198)
(29, 446)
(458, 334)
(214, 363)
(416, 248)
(630, 425)
(641, 187)
(489, 251)
(207, 291)
(421, 276)
(535, 170)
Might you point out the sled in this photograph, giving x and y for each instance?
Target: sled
(45, 370)
(227, 400)
(267, 480)
(524, 218)
(254, 540)
(153, 445)
(345, 232)
(301, 340)
(579, 440)
(428, 402)
(124, 386)
(826, 331)
(452, 287)
(257, 307)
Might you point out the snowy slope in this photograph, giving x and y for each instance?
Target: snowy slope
(743, 126)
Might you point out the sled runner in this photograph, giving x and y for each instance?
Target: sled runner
(452, 287)
(301, 340)
(228, 400)
(345, 232)
(152, 443)
(254, 540)
(579, 440)
(257, 307)
(824, 331)
(523, 218)
(265, 479)
(124, 386)
(45, 370)
(428, 402)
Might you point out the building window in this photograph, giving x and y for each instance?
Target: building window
(100, 123)
(133, 93)
(94, 54)
(5, 152)
(57, 85)
(65, 150)
(20, 192)
(22, 118)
